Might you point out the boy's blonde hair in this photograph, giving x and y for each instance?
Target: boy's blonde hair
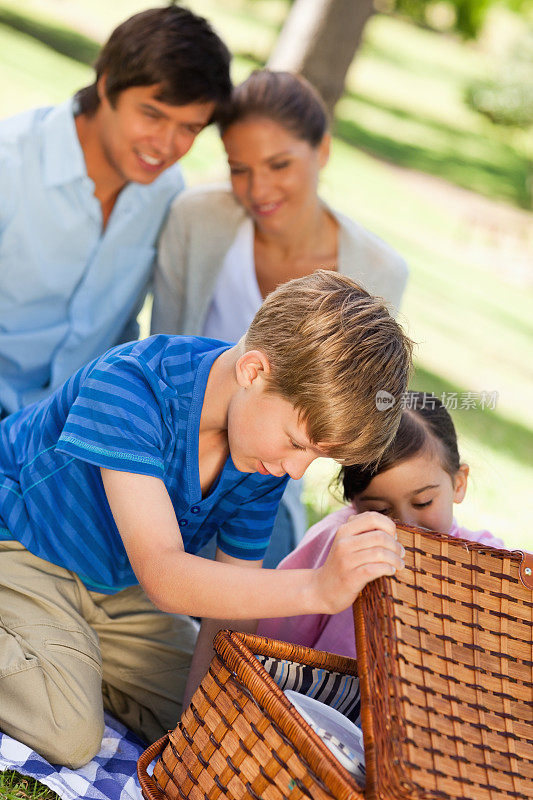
(332, 349)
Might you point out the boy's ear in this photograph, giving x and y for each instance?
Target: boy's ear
(460, 483)
(252, 365)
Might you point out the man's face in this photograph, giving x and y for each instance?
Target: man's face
(139, 136)
(265, 434)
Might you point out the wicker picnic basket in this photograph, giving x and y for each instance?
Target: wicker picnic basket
(445, 662)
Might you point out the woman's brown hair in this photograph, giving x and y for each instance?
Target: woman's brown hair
(285, 98)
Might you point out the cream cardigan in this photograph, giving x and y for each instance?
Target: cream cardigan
(200, 229)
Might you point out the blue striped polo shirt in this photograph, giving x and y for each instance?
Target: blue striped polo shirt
(135, 409)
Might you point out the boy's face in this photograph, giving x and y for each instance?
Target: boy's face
(139, 136)
(265, 434)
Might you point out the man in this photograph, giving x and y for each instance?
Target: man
(84, 190)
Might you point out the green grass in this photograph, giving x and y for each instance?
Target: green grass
(13, 786)
(406, 104)
(34, 74)
(58, 37)
(411, 140)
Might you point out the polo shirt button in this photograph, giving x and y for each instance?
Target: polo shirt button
(195, 509)
(182, 522)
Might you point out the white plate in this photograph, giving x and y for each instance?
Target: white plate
(339, 734)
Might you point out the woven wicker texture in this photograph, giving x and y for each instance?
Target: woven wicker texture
(241, 738)
(445, 660)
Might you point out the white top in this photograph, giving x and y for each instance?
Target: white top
(236, 297)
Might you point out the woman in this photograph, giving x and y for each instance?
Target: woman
(223, 250)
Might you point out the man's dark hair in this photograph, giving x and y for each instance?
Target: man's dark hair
(170, 46)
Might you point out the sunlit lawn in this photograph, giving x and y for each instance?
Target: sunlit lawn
(15, 787)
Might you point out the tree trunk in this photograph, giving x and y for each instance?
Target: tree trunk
(319, 40)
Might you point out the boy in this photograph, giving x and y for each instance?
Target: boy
(85, 188)
(131, 466)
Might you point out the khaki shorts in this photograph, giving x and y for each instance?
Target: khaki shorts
(66, 653)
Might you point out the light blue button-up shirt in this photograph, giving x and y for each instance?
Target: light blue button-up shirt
(68, 290)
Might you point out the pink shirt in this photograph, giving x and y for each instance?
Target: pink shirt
(336, 633)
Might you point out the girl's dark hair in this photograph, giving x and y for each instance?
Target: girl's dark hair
(170, 46)
(285, 98)
(424, 423)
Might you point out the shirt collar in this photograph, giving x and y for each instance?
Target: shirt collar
(63, 160)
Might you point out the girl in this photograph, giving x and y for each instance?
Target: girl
(224, 248)
(417, 481)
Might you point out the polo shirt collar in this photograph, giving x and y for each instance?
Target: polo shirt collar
(63, 160)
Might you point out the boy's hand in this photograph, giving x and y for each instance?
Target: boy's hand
(364, 548)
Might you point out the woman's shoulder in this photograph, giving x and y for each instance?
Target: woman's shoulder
(368, 260)
(217, 200)
(365, 242)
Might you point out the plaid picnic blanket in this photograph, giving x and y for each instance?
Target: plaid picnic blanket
(111, 775)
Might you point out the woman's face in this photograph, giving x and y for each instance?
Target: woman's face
(417, 492)
(274, 175)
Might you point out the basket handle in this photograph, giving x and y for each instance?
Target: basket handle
(148, 785)
(525, 570)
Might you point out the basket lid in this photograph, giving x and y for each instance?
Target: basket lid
(445, 660)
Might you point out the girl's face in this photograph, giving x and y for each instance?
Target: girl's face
(417, 492)
(274, 175)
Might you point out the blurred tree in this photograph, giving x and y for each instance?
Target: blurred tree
(468, 15)
(319, 40)
(506, 97)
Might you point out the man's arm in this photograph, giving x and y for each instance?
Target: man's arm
(178, 582)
